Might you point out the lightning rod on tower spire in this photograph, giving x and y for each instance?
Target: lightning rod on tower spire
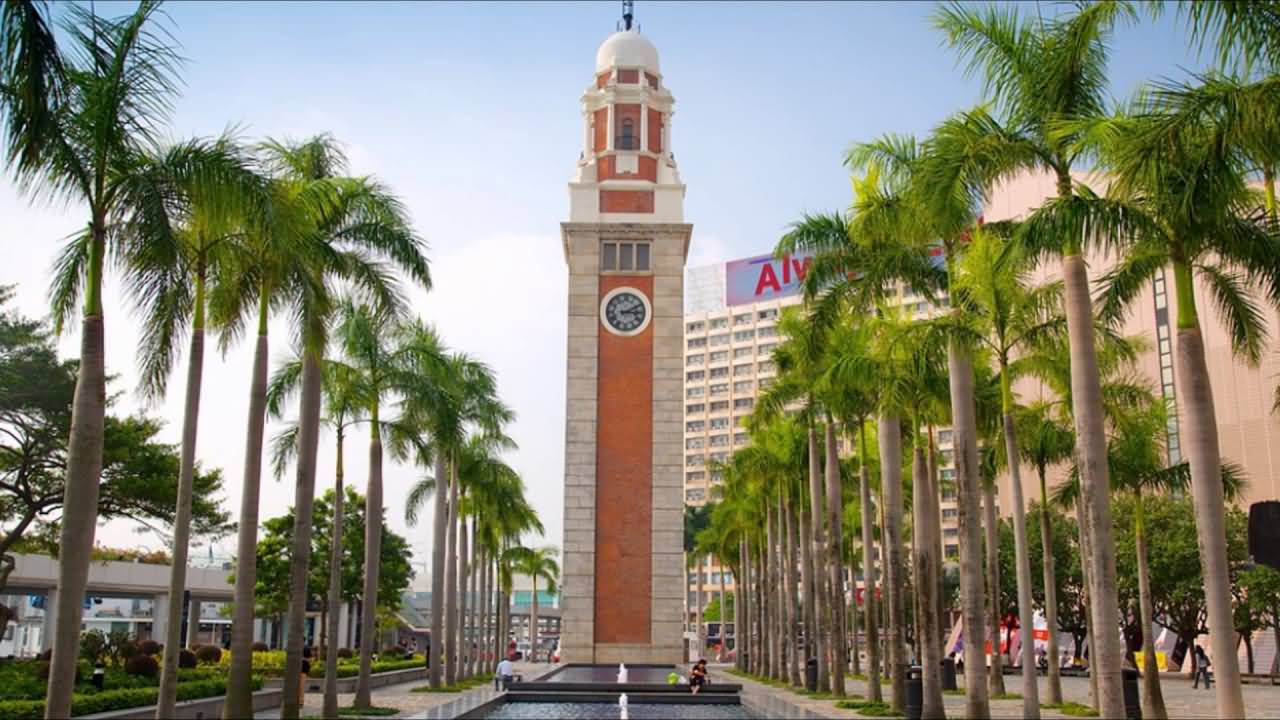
(628, 12)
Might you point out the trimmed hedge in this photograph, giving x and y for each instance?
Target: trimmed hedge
(108, 700)
(346, 670)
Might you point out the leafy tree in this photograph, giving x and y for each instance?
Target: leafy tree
(1177, 587)
(712, 613)
(273, 559)
(36, 390)
(1257, 590)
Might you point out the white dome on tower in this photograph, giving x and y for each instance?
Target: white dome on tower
(627, 48)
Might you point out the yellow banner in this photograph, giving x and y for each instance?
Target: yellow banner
(1162, 663)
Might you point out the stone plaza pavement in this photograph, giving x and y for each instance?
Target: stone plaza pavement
(1261, 701)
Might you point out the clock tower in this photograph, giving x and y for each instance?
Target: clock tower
(625, 243)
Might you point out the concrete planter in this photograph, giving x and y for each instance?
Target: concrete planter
(203, 709)
(377, 680)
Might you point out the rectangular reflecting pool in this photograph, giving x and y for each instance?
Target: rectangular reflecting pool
(607, 674)
(638, 711)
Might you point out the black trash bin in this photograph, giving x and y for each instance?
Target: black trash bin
(949, 674)
(915, 692)
(1132, 698)
(811, 675)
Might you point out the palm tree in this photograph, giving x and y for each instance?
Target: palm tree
(1009, 315)
(1046, 442)
(78, 124)
(1040, 73)
(355, 226)
(168, 278)
(344, 396)
(536, 564)
(1179, 197)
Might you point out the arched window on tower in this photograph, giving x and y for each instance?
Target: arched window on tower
(627, 139)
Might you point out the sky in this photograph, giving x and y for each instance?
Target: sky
(471, 113)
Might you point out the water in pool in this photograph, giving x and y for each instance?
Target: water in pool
(636, 711)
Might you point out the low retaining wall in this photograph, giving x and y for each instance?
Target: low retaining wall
(203, 709)
(377, 680)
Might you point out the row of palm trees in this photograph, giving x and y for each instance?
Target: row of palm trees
(219, 235)
(1177, 170)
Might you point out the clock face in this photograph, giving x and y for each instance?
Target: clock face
(625, 311)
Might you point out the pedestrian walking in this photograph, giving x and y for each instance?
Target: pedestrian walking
(1201, 668)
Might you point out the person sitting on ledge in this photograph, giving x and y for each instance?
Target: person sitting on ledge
(698, 676)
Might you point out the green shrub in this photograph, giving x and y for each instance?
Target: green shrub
(107, 700)
(144, 665)
(94, 646)
(209, 654)
(393, 651)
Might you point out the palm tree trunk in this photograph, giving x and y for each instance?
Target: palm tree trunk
(854, 645)
(473, 616)
(1054, 686)
(995, 674)
(84, 470)
(809, 598)
(300, 555)
(533, 622)
(451, 580)
(1207, 495)
(697, 610)
(922, 551)
(791, 531)
(934, 518)
(1091, 442)
(890, 432)
(835, 507)
(742, 609)
(167, 697)
(372, 563)
(770, 606)
(1026, 611)
(724, 612)
(435, 655)
(1152, 697)
(869, 579)
(968, 482)
(464, 603)
(1086, 568)
(818, 572)
(239, 700)
(330, 708)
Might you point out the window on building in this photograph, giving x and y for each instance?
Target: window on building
(719, 356)
(951, 532)
(696, 476)
(768, 332)
(719, 423)
(694, 408)
(944, 437)
(695, 343)
(743, 319)
(948, 513)
(695, 494)
(740, 370)
(695, 426)
(694, 460)
(744, 335)
(739, 438)
(696, 359)
(627, 135)
(949, 474)
(720, 389)
(742, 386)
(695, 375)
(722, 339)
(770, 314)
(625, 257)
(694, 327)
(719, 323)
(719, 441)
(742, 403)
(720, 372)
(953, 552)
(694, 392)
(719, 406)
(719, 456)
(693, 443)
(743, 352)
(767, 348)
(765, 383)
(766, 366)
